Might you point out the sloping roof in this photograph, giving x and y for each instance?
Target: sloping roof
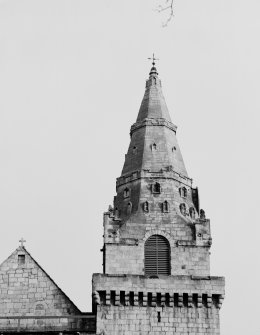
(5, 267)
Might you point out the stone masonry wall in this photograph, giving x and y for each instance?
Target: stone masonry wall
(134, 305)
(26, 290)
(131, 320)
(189, 244)
(129, 259)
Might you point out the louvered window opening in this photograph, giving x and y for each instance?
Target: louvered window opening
(157, 256)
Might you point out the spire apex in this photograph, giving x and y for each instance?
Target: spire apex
(153, 69)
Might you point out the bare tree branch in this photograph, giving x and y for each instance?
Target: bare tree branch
(167, 6)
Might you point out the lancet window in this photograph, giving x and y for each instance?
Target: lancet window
(192, 212)
(183, 192)
(183, 209)
(126, 192)
(165, 207)
(146, 206)
(154, 147)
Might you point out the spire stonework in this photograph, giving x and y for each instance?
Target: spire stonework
(156, 243)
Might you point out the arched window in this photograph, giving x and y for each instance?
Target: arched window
(134, 150)
(192, 212)
(157, 256)
(183, 192)
(183, 209)
(126, 192)
(156, 188)
(154, 147)
(165, 207)
(146, 206)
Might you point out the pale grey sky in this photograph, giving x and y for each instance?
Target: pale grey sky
(72, 79)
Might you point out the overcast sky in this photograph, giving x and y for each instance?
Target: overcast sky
(72, 76)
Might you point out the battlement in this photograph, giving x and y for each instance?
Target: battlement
(162, 291)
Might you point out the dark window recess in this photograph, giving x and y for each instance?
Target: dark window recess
(156, 188)
(126, 192)
(157, 256)
(149, 299)
(154, 147)
(195, 198)
(183, 192)
(185, 299)
(165, 207)
(122, 298)
(146, 206)
(159, 316)
(134, 150)
(131, 298)
(21, 259)
(102, 295)
(192, 212)
(113, 297)
(183, 209)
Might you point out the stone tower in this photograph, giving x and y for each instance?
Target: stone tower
(156, 268)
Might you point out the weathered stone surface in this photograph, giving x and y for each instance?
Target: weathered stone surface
(29, 296)
(155, 197)
(26, 289)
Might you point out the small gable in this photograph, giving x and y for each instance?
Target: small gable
(26, 289)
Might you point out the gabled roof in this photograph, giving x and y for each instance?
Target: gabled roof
(10, 265)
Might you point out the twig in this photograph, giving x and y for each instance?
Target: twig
(167, 7)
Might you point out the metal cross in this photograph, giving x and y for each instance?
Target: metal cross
(153, 59)
(22, 241)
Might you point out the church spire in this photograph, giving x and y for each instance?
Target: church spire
(153, 143)
(153, 162)
(153, 104)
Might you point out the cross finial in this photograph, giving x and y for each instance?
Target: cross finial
(22, 240)
(153, 59)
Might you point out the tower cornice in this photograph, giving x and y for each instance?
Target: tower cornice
(152, 123)
(168, 173)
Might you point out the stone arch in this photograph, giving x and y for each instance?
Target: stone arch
(158, 232)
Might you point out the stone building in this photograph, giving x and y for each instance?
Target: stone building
(156, 268)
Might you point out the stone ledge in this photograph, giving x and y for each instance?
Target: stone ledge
(152, 122)
(163, 284)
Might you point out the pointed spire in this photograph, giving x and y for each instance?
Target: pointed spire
(153, 69)
(153, 137)
(153, 105)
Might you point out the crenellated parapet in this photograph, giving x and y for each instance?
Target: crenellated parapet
(168, 292)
